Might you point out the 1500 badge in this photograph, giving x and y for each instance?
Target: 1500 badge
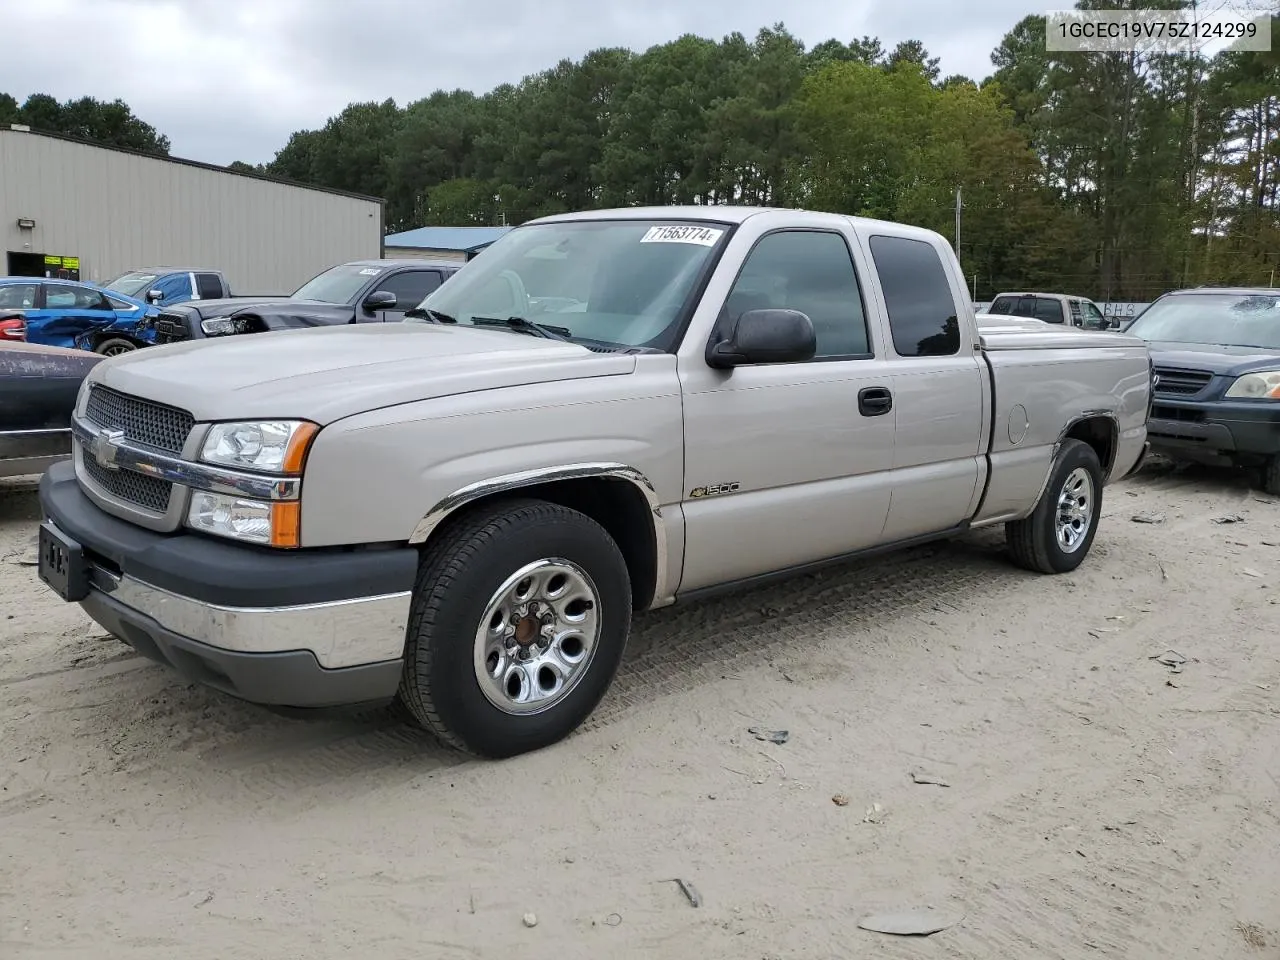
(713, 490)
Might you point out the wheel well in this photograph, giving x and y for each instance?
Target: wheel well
(616, 505)
(1099, 433)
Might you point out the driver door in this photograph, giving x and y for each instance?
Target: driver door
(790, 463)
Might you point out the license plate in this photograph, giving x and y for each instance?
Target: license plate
(62, 564)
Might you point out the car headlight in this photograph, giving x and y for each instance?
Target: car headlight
(1259, 385)
(275, 524)
(268, 446)
(277, 447)
(224, 326)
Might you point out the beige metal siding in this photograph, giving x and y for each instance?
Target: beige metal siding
(420, 253)
(117, 211)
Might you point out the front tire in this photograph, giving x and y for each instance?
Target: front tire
(114, 346)
(1056, 537)
(520, 615)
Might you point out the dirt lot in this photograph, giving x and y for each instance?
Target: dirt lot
(1099, 803)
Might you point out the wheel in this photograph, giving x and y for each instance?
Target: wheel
(115, 345)
(520, 615)
(1271, 476)
(1056, 537)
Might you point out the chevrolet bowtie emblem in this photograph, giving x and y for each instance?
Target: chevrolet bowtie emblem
(104, 448)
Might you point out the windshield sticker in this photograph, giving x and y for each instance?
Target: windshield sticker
(702, 236)
(370, 272)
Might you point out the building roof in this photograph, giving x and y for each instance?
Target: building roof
(213, 167)
(461, 239)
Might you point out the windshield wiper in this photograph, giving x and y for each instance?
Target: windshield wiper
(526, 326)
(426, 313)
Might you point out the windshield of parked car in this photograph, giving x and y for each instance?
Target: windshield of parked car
(132, 284)
(337, 284)
(621, 283)
(1229, 319)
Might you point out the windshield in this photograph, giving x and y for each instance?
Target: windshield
(1229, 319)
(616, 282)
(132, 284)
(337, 284)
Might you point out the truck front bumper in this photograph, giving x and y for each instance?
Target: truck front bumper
(306, 628)
(1216, 433)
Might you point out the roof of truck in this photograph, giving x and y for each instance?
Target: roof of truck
(403, 262)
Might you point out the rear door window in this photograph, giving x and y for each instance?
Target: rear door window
(209, 286)
(1050, 311)
(923, 318)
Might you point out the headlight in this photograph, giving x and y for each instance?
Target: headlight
(1261, 385)
(252, 521)
(270, 446)
(224, 326)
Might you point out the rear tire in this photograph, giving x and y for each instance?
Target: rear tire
(1271, 476)
(1058, 534)
(114, 346)
(520, 615)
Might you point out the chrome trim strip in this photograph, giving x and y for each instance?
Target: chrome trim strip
(35, 443)
(344, 633)
(576, 471)
(107, 446)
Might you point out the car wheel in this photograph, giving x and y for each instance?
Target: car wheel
(1271, 476)
(1056, 537)
(115, 345)
(520, 615)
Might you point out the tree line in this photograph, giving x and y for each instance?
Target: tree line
(1116, 176)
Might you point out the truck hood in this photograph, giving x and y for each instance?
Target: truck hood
(327, 373)
(1214, 357)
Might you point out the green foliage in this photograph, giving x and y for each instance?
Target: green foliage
(109, 123)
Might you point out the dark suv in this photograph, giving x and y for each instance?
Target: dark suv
(1216, 352)
(363, 291)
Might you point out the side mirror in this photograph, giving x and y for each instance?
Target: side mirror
(765, 336)
(380, 300)
(155, 296)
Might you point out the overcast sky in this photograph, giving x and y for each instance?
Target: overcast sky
(231, 79)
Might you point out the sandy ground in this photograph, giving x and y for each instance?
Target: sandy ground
(1099, 803)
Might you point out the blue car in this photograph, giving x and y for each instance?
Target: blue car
(64, 313)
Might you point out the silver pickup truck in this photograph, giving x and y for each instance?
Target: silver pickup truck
(606, 412)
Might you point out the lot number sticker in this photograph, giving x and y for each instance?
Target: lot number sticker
(370, 272)
(702, 236)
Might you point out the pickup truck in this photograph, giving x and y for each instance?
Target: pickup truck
(363, 291)
(165, 286)
(1053, 308)
(606, 412)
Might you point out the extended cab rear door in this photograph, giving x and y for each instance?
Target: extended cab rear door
(786, 463)
(940, 390)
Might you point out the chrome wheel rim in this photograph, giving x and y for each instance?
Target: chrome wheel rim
(537, 637)
(1075, 510)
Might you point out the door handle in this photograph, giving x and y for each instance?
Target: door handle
(874, 401)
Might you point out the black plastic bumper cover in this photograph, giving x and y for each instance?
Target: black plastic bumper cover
(222, 573)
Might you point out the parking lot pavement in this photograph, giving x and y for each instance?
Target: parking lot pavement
(1099, 802)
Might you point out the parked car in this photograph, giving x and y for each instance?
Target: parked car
(463, 510)
(13, 325)
(1053, 308)
(67, 313)
(363, 291)
(38, 386)
(1216, 352)
(165, 286)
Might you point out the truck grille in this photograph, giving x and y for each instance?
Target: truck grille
(153, 424)
(171, 328)
(149, 493)
(143, 422)
(1181, 383)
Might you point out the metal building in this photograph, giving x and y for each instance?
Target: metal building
(442, 243)
(74, 209)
